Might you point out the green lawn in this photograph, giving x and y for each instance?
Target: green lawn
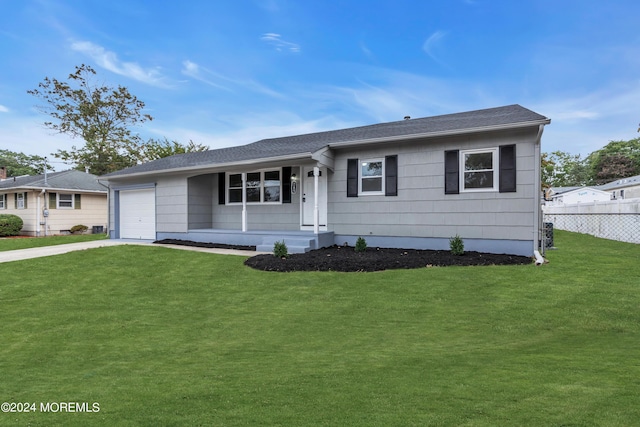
(10, 244)
(159, 336)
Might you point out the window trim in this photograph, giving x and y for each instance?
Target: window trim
(24, 200)
(262, 173)
(495, 162)
(3, 201)
(72, 196)
(382, 175)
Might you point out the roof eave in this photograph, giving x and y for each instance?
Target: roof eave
(212, 166)
(56, 189)
(480, 129)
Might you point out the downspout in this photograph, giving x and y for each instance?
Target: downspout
(536, 206)
(38, 224)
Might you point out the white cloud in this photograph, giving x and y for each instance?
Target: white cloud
(27, 134)
(109, 60)
(3, 109)
(193, 70)
(276, 41)
(217, 80)
(432, 44)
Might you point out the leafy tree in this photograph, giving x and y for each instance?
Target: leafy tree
(561, 169)
(102, 116)
(156, 149)
(617, 159)
(22, 164)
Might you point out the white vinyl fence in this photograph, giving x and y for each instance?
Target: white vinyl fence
(614, 219)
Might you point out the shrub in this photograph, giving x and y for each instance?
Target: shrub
(280, 250)
(361, 245)
(10, 225)
(457, 245)
(79, 229)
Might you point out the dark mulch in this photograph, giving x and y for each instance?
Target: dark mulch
(204, 245)
(345, 258)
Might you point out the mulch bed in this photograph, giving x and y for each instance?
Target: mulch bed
(345, 258)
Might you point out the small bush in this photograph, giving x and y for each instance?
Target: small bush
(280, 250)
(457, 245)
(361, 245)
(10, 225)
(79, 229)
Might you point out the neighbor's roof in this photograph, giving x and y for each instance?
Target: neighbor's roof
(621, 183)
(65, 180)
(274, 148)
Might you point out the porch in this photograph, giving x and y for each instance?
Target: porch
(296, 241)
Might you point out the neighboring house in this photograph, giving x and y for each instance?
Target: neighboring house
(53, 203)
(626, 188)
(575, 195)
(413, 183)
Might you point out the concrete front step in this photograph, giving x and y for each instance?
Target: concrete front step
(295, 245)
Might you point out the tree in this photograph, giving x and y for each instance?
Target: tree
(22, 164)
(617, 159)
(102, 116)
(561, 169)
(156, 149)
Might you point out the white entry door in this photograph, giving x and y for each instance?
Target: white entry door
(138, 214)
(308, 196)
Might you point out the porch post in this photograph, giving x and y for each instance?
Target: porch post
(316, 208)
(244, 202)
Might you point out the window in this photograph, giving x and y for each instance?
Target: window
(478, 170)
(3, 201)
(371, 174)
(65, 201)
(21, 202)
(262, 187)
(490, 169)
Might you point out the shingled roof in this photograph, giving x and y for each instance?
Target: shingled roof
(274, 148)
(71, 180)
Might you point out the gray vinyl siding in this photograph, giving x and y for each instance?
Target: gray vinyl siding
(422, 209)
(200, 199)
(171, 204)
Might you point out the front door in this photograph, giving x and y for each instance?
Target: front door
(308, 196)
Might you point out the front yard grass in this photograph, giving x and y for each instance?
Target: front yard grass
(13, 243)
(159, 336)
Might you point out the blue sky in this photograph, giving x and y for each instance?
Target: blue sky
(226, 73)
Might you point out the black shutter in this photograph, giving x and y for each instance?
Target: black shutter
(391, 175)
(352, 178)
(286, 184)
(507, 169)
(52, 201)
(451, 172)
(77, 201)
(221, 188)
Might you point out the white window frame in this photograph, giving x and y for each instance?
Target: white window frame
(495, 170)
(362, 163)
(58, 201)
(20, 200)
(261, 187)
(3, 201)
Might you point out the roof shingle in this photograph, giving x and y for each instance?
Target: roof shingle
(310, 143)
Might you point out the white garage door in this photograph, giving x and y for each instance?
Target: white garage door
(138, 214)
